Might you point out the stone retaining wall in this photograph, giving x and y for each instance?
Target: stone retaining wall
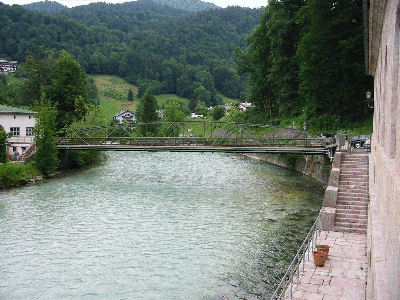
(314, 166)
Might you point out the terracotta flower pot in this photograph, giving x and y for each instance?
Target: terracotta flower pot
(319, 258)
(324, 248)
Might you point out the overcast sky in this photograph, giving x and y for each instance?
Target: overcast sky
(71, 3)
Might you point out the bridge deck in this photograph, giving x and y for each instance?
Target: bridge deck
(199, 148)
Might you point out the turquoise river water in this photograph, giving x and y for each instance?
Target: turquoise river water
(155, 226)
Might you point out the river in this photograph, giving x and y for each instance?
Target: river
(155, 226)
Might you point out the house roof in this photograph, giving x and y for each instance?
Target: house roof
(123, 112)
(5, 110)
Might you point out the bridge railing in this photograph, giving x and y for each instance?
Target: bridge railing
(191, 141)
(194, 133)
(285, 289)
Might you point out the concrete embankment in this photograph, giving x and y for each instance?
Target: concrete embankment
(314, 166)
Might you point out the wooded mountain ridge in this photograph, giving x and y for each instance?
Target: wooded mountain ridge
(186, 5)
(167, 49)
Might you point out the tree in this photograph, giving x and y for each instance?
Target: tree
(69, 82)
(173, 112)
(37, 68)
(283, 71)
(93, 118)
(3, 145)
(201, 109)
(254, 61)
(331, 60)
(45, 137)
(130, 95)
(218, 112)
(201, 94)
(92, 92)
(146, 112)
(270, 59)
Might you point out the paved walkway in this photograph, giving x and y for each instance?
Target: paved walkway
(344, 275)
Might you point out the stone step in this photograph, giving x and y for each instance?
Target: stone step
(349, 202)
(350, 225)
(351, 207)
(351, 211)
(352, 198)
(355, 164)
(347, 173)
(364, 159)
(350, 230)
(353, 190)
(362, 173)
(356, 170)
(355, 186)
(351, 180)
(353, 167)
(353, 175)
(352, 193)
(359, 219)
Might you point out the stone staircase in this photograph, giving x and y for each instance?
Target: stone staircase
(353, 193)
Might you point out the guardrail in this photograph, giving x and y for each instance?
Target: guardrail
(21, 139)
(292, 275)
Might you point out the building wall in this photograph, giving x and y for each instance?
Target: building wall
(384, 209)
(21, 142)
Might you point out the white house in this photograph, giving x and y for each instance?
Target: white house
(194, 116)
(8, 66)
(244, 106)
(20, 123)
(125, 116)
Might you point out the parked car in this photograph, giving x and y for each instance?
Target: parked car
(358, 141)
(367, 144)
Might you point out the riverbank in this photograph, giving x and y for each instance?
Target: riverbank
(316, 167)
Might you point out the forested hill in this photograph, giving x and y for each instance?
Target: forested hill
(185, 5)
(188, 5)
(45, 6)
(171, 50)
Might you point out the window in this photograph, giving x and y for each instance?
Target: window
(29, 131)
(14, 131)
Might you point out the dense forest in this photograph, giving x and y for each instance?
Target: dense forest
(167, 49)
(306, 58)
(301, 60)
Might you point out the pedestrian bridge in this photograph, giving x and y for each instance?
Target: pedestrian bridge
(196, 136)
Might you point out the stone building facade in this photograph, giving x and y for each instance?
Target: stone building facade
(384, 208)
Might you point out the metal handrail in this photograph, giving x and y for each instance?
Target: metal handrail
(292, 275)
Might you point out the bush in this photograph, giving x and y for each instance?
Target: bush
(78, 159)
(14, 174)
(218, 112)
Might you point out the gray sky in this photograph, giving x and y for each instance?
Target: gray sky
(71, 3)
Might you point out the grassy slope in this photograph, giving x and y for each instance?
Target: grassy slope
(113, 92)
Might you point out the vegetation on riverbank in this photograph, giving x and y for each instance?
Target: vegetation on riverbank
(15, 174)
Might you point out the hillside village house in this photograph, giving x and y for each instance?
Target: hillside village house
(7, 66)
(125, 116)
(20, 123)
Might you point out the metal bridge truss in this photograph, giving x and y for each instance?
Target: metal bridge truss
(195, 136)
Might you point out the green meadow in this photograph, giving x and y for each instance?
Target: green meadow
(113, 94)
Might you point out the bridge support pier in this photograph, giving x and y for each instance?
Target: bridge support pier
(63, 156)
